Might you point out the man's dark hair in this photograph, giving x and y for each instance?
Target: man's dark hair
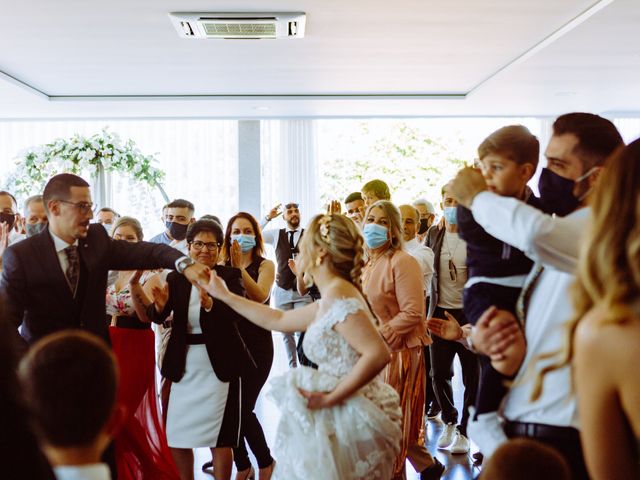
(69, 380)
(30, 200)
(352, 197)
(379, 188)
(526, 459)
(597, 137)
(13, 199)
(209, 226)
(59, 187)
(213, 218)
(110, 210)
(181, 203)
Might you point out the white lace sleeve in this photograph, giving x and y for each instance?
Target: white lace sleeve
(340, 310)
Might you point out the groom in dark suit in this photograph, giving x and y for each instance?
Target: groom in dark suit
(57, 279)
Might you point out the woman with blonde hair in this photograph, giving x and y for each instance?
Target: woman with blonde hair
(393, 283)
(341, 418)
(604, 333)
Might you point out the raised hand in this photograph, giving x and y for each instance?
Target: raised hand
(160, 296)
(466, 185)
(205, 299)
(216, 287)
(236, 254)
(135, 276)
(447, 329)
(334, 207)
(196, 273)
(274, 212)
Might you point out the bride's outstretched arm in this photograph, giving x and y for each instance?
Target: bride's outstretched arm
(359, 332)
(270, 318)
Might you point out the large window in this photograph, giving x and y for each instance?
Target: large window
(199, 158)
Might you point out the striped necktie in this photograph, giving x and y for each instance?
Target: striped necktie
(73, 269)
(522, 305)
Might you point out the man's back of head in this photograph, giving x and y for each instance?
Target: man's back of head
(70, 380)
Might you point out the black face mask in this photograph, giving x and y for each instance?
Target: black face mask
(8, 218)
(556, 193)
(35, 228)
(424, 226)
(178, 231)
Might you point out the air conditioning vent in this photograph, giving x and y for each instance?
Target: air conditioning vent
(239, 25)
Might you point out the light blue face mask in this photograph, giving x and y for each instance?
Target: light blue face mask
(450, 215)
(375, 235)
(246, 242)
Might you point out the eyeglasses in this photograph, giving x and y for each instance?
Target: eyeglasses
(453, 272)
(211, 246)
(83, 207)
(291, 205)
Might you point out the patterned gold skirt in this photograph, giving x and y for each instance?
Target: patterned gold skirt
(406, 373)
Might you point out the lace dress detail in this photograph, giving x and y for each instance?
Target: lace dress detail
(357, 439)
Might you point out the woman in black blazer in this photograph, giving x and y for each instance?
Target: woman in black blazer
(203, 359)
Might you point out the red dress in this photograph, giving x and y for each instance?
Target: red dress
(142, 452)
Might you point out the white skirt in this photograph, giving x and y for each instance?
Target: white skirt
(197, 404)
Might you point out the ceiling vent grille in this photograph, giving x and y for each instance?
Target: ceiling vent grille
(239, 25)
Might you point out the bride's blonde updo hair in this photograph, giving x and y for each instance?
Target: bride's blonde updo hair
(342, 240)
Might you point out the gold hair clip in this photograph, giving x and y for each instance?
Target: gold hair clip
(324, 228)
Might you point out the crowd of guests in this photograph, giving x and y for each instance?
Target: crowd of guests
(537, 296)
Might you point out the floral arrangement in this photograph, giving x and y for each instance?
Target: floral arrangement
(93, 155)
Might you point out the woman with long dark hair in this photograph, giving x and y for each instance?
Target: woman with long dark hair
(243, 249)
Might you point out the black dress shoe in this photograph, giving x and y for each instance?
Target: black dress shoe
(207, 466)
(434, 472)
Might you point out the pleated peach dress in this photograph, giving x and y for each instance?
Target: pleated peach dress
(393, 284)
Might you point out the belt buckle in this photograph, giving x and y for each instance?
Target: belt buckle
(531, 430)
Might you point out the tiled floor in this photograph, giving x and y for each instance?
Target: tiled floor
(459, 467)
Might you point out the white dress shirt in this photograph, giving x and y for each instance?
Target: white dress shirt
(424, 256)
(60, 246)
(271, 236)
(94, 471)
(554, 243)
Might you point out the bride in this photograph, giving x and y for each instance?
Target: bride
(341, 421)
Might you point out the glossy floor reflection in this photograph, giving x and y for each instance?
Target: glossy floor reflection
(459, 467)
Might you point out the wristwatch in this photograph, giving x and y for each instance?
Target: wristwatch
(183, 263)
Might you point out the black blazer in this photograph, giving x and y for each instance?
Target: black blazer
(225, 347)
(35, 289)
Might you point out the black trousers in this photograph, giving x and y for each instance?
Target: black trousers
(430, 394)
(253, 379)
(565, 440)
(442, 355)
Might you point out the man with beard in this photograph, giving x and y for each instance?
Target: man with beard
(285, 242)
(57, 279)
(177, 216)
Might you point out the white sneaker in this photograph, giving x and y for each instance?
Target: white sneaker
(460, 445)
(486, 432)
(447, 436)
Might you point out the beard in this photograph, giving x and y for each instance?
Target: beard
(293, 222)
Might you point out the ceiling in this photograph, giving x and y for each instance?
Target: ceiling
(71, 58)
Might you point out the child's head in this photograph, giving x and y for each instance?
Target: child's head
(525, 459)
(508, 159)
(375, 190)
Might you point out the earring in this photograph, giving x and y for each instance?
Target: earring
(318, 261)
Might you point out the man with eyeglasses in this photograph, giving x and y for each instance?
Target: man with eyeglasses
(450, 275)
(57, 279)
(285, 242)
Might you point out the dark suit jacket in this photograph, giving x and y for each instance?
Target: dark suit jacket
(225, 347)
(36, 291)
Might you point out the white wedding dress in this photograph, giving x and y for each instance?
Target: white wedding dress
(358, 439)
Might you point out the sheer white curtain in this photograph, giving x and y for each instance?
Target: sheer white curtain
(199, 157)
(290, 165)
(629, 128)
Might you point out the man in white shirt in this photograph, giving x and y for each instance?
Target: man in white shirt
(74, 425)
(285, 242)
(575, 155)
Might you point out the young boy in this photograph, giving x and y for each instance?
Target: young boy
(497, 271)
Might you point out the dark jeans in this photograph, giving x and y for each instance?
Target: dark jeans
(430, 394)
(477, 299)
(442, 355)
(565, 440)
(253, 379)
